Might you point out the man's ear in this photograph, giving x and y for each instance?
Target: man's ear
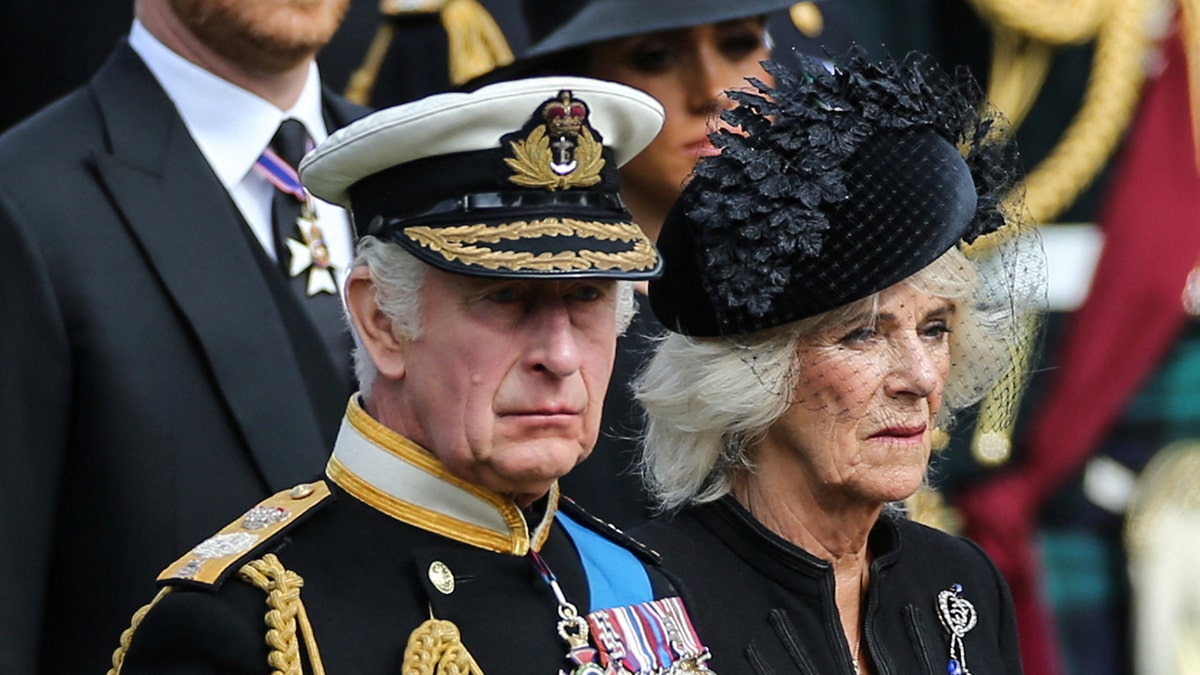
(385, 348)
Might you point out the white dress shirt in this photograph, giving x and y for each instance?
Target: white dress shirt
(232, 126)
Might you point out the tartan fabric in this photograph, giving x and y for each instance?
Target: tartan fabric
(1082, 545)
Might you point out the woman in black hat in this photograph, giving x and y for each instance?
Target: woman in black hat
(685, 53)
(838, 281)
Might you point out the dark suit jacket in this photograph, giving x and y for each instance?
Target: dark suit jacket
(152, 373)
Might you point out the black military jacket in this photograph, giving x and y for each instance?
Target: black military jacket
(389, 542)
(763, 605)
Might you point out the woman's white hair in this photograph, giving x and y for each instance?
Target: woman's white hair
(397, 276)
(707, 400)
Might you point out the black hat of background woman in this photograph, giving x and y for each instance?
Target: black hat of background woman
(842, 181)
(558, 25)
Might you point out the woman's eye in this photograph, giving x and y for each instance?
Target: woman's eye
(652, 58)
(938, 330)
(859, 335)
(739, 45)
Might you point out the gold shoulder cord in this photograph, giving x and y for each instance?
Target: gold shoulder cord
(475, 44)
(284, 609)
(118, 657)
(434, 648)
(1025, 35)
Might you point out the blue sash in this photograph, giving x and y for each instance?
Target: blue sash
(615, 576)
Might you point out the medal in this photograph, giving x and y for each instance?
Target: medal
(648, 637)
(309, 253)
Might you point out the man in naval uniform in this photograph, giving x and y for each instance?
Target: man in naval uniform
(492, 278)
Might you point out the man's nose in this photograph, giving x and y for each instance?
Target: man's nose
(554, 346)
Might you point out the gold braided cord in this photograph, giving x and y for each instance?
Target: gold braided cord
(284, 607)
(1018, 70)
(1108, 104)
(362, 80)
(1191, 33)
(1123, 39)
(118, 657)
(1056, 22)
(476, 43)
(435, 648)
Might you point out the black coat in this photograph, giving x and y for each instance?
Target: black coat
(765, 606)
(367, 585)
(152, 374)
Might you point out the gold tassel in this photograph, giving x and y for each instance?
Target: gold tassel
(476, 43)
(991, 444)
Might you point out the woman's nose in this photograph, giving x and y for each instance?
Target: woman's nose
(711, 74)
(915, 370)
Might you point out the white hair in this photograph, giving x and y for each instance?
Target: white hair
(397, 276)
(707, 400)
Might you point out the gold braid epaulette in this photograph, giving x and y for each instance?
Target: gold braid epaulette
(210, 562)
(436, 648)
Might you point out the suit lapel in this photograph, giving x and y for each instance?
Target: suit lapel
(193, 237)
(338, 111)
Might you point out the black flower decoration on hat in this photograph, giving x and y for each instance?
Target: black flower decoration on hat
(762, 205)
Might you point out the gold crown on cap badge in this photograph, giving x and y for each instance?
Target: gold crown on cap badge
(559, 153)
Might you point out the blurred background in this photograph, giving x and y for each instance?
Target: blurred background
(1088, 497)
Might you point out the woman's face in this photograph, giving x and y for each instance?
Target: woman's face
(863, 407)
(686, 70)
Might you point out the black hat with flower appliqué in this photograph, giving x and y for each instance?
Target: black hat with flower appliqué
(837, 182)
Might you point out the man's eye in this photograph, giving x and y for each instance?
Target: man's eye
(503, 295)
(586, 293)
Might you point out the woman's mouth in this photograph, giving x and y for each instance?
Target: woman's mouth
(702, 148)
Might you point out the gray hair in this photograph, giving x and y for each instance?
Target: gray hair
(708, 400)
(397, 276)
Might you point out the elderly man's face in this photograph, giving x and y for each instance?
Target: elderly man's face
(506, 382)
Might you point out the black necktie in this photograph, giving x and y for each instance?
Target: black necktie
(299, 245)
